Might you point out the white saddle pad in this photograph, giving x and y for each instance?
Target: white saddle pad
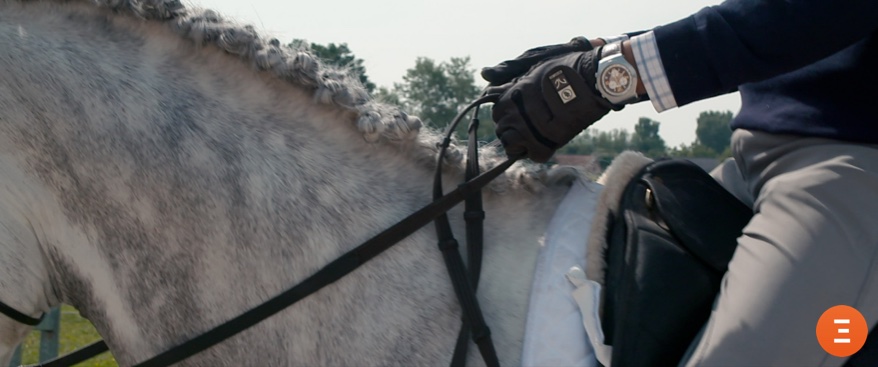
(554, 332)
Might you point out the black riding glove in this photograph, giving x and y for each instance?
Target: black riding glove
(505, 71)
(547, 107)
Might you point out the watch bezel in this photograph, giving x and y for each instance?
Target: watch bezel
(608, 63)
(608, 69)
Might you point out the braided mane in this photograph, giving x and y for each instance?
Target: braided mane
(330, 85)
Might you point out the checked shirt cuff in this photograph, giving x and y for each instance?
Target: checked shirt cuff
(614, 39)
(652, 72)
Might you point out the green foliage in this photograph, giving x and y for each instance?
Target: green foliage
(713, 137)
(388, 96)
(694, 150)
(604, 145)
(713, 130)
(646, 138)
(436, 92)
(338, 55)
(613, 142)
(582, 144)
(76, 332)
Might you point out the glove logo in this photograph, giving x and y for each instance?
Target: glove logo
(565, 91)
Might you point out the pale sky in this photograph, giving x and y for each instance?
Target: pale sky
(390, 34)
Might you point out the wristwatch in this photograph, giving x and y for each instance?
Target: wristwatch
(616, 78)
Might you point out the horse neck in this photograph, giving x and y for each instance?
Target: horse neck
(25, 284)
(168, 197)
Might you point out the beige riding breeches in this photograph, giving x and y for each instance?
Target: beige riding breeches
(812, 244)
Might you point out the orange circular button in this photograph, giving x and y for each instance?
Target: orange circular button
(842, 330)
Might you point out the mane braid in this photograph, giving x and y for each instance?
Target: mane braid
(330, 85)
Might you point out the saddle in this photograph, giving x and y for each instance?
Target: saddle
(659, 247)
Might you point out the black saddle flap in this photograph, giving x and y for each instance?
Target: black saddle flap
(669, 245)
(705, 217)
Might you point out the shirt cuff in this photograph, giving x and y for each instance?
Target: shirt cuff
(614, 39)
(652, 72)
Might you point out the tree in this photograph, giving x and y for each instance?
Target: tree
(713, 130)
(603, 144)
(694, 150)
(582, 144)
(646, 138)
(388, 96)
(339, 55)
(713, 137)
(436, 92)
(613, 142)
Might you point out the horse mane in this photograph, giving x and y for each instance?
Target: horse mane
(329, 85)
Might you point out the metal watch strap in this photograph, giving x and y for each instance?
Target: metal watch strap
(611, 49)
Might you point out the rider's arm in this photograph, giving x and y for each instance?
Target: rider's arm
(719, 48)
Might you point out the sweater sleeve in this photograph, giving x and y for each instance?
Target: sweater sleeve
(717, 49)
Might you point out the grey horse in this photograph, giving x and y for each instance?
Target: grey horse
(163, 170)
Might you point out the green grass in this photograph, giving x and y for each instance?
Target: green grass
(76, 332)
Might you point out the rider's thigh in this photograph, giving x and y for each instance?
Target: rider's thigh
(729, 177)
(811, 245)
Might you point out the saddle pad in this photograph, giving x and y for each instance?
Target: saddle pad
(554, 333)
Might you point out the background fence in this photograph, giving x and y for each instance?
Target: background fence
(63, 331)
(50, 329)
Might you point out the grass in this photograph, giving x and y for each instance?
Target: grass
(76, 332)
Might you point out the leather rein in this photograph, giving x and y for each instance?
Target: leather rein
(464, 278)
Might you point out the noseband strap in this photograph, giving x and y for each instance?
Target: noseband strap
(18, 316)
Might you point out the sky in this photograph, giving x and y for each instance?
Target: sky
(390, 34)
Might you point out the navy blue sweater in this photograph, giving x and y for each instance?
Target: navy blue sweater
(804, 67)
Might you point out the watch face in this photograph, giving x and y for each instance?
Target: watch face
(616, 79)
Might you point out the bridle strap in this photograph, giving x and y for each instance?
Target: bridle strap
(474, 217)
(18, 316)
(464, 288)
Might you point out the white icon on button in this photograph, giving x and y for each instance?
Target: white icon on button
(842, 331)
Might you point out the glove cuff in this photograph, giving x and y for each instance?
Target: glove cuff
(587, 66)
(581, 44)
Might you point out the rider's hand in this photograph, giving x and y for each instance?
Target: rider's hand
(505, 71)
(548, 106)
